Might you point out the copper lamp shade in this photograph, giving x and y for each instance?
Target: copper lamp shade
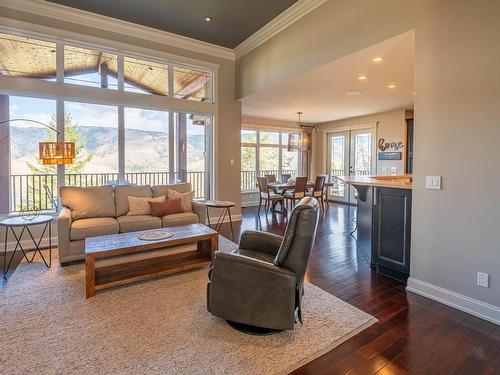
(52, 153)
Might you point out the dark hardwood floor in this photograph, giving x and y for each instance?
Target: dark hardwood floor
(414, 335)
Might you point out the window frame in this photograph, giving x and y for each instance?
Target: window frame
(258, 145)
(63, 91)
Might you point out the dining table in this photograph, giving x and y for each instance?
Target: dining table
(283, 187)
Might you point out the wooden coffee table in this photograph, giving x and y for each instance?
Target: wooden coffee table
(119, 269)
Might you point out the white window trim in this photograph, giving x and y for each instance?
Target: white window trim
(257, 145)
(61, 92)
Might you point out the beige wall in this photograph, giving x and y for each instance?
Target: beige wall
(227, 134)
(457, 136)
(454, 230)
(391, 126)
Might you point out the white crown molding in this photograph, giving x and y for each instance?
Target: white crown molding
(88, 19)
(80, 17)
(458, 301)
(280, 22)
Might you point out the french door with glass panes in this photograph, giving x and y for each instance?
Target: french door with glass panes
(349, 153)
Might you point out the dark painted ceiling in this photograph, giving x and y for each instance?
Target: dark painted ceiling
(234, 20)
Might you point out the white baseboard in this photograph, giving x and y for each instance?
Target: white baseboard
(456, 300)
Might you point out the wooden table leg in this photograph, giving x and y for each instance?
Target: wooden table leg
(89, 277)
(214, 245)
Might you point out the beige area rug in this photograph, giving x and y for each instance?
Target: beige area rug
(156, 327)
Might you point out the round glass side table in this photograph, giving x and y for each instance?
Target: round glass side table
(25, 225)
(225, 207)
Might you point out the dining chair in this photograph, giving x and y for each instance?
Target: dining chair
(285, 178)
(270, 198)
(318, 191)
(270, 178)
(298, 192)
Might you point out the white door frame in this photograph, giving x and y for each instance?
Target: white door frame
(349, 153)
(329, 136)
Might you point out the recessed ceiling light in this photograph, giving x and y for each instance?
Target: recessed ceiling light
(353, 92)
(391, 86)
(362, 78)
(208, 19)
(378, 59)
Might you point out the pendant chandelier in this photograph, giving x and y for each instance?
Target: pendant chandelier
(300, 141)
(52, 153)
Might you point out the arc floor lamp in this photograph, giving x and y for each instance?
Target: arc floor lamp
(51, 153)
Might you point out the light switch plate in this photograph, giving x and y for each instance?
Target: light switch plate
(483, 279)
(433, 182)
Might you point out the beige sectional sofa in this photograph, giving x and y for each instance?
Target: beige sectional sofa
(102, 210)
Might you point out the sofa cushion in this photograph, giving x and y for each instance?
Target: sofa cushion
(122, 192)
(183, 218)
(138, 222)
(100, 226)
(140, 206)
(162, 189)
(88, 202)
(186, 199)
(167, 207)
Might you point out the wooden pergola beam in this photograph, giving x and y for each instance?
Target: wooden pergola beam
(192, 87)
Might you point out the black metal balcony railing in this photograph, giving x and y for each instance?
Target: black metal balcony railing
(28, 191)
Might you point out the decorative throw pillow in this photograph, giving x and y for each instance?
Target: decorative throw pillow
(167, 207)
(140, 206)
(186, 199)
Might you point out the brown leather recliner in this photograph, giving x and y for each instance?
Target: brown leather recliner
(261, 283)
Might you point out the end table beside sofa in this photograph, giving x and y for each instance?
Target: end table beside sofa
(102, 210)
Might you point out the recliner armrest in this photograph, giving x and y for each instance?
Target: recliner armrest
(263, 242)
(242, 267)
(200, 210)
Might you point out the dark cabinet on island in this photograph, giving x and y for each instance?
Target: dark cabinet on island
(384, 222)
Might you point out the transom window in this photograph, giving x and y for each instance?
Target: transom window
(33, 58)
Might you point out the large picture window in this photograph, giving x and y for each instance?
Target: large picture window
(162, 137)
(265, 153)
(147, 146)
(94, 129)
(28, 178)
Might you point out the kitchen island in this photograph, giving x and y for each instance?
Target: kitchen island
(384, 221)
